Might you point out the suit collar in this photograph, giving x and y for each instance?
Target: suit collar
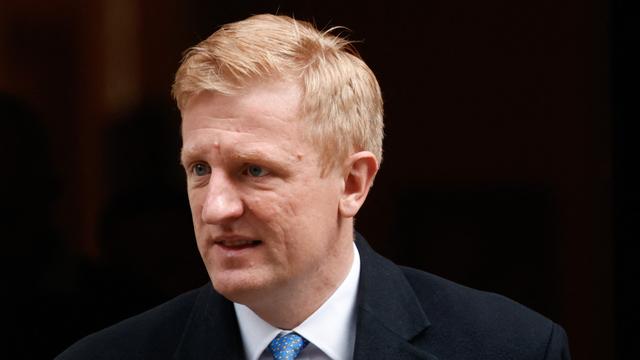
(390, 317)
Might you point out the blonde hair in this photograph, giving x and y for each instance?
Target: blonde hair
(341, 98)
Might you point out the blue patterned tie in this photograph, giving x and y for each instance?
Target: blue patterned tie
(287, 347)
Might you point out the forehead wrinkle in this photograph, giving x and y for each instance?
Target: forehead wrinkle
(224, 124)
(204, 140)
(268, 153)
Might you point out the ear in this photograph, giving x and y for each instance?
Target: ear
(359, 170)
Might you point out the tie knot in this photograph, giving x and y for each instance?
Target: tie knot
(287, 347)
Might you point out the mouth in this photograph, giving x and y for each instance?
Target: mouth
(237, 243)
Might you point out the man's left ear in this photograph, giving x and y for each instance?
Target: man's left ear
(359, 170)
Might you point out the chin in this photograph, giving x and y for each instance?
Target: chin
(240, 288)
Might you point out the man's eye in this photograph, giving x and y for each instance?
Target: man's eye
(201, 169)
(256, 171)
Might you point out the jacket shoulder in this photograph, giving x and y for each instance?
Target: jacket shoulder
(151, 334)
(483, 323)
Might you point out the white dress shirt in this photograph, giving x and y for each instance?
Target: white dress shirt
(331, 330)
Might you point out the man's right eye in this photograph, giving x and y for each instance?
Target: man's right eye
(201, 169)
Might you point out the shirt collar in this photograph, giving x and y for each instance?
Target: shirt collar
(331, 328)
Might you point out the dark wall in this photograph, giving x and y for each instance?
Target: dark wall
(498, 169)
(626, 149)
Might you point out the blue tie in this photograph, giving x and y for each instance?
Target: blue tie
(287, 347)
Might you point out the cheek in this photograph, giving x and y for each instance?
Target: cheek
(276, 210)
(283, 221)
(194, 197)
(195, 204)
(295, 218)
(323, 200)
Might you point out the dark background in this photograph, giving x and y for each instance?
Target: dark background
(509, 156)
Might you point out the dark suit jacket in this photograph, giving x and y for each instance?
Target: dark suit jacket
(403, 313)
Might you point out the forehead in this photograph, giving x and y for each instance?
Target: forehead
(267, 100)
(262, 116)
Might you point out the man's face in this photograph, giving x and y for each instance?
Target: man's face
(266, 221)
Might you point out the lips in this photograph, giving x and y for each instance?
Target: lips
(236, 242)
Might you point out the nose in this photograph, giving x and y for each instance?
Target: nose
(223, 203)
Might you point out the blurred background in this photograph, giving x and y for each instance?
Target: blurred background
(509, 157)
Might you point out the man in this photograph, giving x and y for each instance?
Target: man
(282, 138)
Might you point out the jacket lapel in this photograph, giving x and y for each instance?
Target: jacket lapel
(212, 331)
(390, 318)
